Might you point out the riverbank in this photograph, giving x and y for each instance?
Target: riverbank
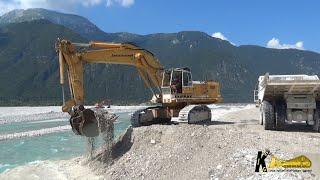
(225, 148)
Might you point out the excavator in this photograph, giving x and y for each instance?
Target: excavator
(175, 95)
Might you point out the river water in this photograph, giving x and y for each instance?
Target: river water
(53, 146)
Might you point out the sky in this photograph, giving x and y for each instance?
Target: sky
(270, 23)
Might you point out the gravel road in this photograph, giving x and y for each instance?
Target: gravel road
(225, 148)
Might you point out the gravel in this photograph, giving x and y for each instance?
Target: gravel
(217, 150)
(224, 149)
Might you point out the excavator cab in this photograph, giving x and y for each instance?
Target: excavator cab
(176, 81)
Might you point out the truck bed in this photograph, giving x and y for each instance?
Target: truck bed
(278, 85)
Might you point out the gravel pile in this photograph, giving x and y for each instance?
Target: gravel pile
(216, 150)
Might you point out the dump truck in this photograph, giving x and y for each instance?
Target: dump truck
(287, 99)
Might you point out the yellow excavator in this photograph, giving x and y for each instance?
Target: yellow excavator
(174, 92)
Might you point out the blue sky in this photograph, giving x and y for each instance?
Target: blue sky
(273, 23)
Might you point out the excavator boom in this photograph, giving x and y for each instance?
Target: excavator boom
(147, 65)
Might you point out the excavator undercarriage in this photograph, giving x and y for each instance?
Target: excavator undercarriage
(189, 114)
(150, 115)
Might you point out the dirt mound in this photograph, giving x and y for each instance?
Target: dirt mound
(222, 149)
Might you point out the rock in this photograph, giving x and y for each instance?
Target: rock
(152, 141)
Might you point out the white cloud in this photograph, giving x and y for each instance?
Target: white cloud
(219, 35)
(91, 2)
(124, 3)
(275, 43)
(65, 5)
(5, 7)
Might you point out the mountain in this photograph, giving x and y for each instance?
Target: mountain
(236, 68)
(29, 68)
(76, 23)
(29, 65)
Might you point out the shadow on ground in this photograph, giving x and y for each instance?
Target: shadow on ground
(298, 127)
(110, 152)
(210, 123)
(123, 144)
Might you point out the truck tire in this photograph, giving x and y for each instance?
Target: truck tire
(316, 126)
(280, 114)
(268, 116)
(261, 118)
(261, 115)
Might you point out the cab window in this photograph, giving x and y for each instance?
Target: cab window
(187, 81)
(166, 78)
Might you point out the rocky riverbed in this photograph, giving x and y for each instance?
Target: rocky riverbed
(225, 148)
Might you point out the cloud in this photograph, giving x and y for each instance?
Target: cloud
(124, 3)
(66, 5)
(219, 35)
(5, 7)
(90, 2)
(275, 43)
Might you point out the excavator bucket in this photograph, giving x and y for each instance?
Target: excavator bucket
(84, 123)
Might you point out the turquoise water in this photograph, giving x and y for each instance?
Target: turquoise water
(55, 146)
(29, 126)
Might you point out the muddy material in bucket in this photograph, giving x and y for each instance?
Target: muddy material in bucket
(90, 127)
(85, 123)
(91, 122)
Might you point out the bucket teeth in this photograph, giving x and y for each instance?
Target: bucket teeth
(75, 122)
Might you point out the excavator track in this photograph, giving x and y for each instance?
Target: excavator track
(148, 116)
(136, 116)
(194, 114)
(190, 114)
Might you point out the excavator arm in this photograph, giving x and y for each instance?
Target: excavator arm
(73, 57)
